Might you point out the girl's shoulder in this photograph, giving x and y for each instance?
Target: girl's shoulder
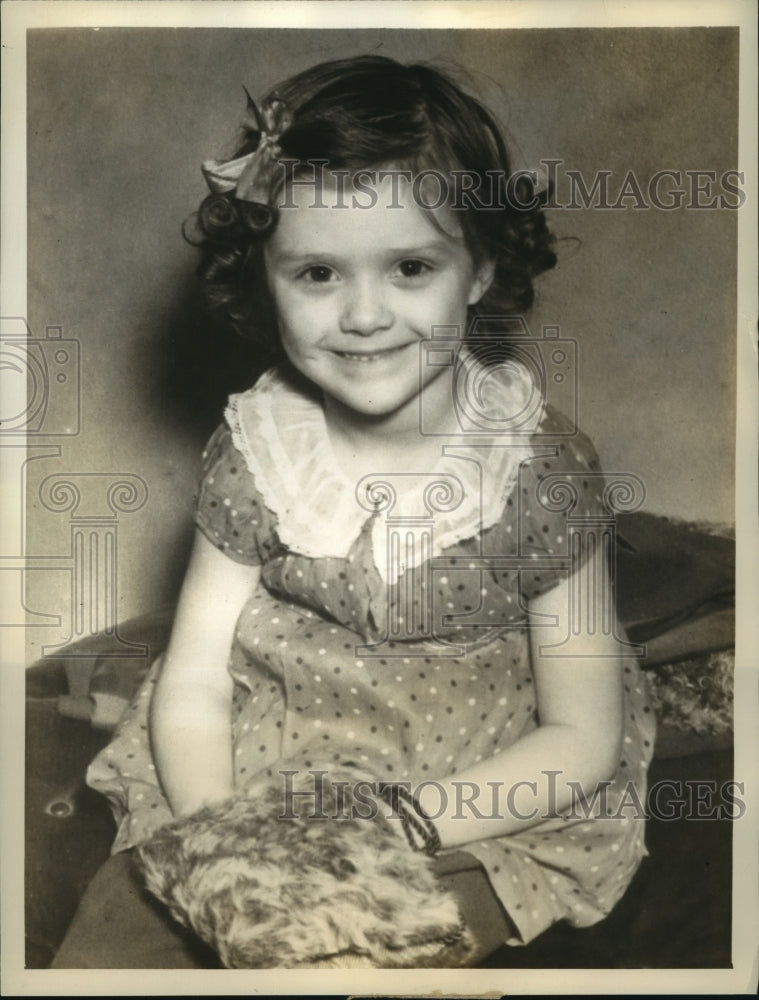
(521, 434)
(279, 399)
(245, 449)
(228, 509)
(239, 493)
(559, 432)
(278, 427)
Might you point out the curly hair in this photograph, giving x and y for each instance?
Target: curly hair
(363, 113)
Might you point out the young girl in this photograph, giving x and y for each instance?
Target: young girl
(387, 571)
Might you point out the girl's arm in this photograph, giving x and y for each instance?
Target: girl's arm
(190, 723)
(579, 703)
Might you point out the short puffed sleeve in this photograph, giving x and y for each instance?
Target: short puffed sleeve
(562, 480)
(228, 507)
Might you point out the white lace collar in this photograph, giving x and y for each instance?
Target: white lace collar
(282, 434)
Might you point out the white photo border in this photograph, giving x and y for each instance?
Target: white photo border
(17, 17)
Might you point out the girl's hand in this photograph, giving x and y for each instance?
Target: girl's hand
(579, 734)
(190, 724)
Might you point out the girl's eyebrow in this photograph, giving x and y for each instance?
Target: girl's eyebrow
(291, 257)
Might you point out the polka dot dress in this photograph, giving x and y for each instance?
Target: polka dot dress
(324, 673)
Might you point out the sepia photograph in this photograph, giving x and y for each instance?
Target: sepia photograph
(378, 446)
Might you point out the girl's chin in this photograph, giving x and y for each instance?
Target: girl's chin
(372, 409)
(375, 411)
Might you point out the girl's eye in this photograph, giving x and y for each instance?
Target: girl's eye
(412, 268)
(320, 274)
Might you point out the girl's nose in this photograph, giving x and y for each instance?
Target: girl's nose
(365, 310)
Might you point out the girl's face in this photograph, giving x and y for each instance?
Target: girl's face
(358, 288)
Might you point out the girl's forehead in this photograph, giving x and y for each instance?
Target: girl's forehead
(383, 199)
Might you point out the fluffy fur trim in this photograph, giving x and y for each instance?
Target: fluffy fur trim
(695, 694)
(305, 870)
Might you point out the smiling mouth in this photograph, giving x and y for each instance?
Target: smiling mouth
(369, 355)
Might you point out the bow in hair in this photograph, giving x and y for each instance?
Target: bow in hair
(249, 176)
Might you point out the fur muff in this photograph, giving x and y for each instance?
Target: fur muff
(307, 867)
(695, 694)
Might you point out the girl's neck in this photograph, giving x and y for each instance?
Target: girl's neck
(365, 444)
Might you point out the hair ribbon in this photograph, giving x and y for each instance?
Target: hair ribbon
(249, 177)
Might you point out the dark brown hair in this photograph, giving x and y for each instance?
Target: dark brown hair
(363, 113)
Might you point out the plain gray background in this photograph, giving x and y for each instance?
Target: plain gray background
(118, 123)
